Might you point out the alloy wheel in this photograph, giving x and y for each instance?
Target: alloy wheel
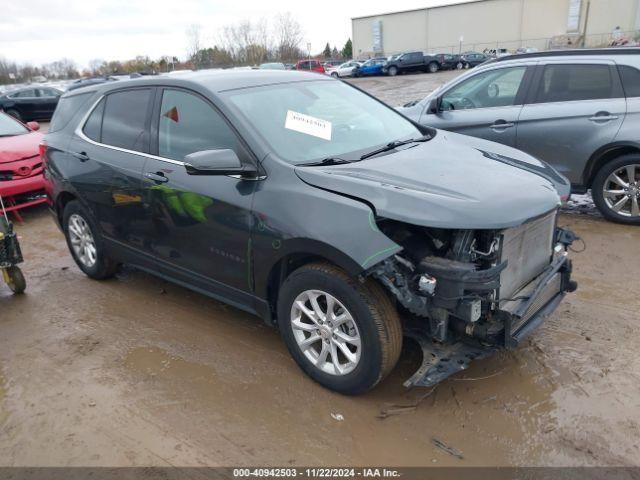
(82, 241)
(621, 191)
(326, 332)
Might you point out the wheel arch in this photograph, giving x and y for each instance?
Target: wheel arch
(293, 254)
(604, 155)
(61, 201)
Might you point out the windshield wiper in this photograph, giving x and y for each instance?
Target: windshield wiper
(395, 144)
(328, 161)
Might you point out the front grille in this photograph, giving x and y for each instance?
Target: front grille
(25, 168)
(528, 249)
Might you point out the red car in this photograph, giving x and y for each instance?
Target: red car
(310, 66)
(21, 180)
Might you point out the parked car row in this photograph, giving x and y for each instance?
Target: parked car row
(405, 63)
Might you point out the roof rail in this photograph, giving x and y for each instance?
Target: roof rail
(571, 52)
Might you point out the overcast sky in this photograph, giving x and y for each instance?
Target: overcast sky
(41, 31)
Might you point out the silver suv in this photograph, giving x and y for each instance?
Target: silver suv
(578, 110)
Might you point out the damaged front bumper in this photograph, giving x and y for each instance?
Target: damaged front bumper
(521, 317)
(459, 317)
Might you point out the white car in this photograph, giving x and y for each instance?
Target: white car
(344, 70)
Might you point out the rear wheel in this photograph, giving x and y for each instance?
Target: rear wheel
(345, 334)
(459, 66)
(616, 189)
(85, 242)
(14, 113)
(433, 67)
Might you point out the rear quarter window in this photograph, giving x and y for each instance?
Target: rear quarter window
(65, 110)
(630, 80)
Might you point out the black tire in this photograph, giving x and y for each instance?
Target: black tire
(467, 66)
(599, 183)
(393, 71)
(16, 282)
(104, 267)
(14, 113)
(459, 66)
(373, 312)
(433, 67)
(334, 74)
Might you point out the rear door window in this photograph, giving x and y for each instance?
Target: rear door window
(630, 80)
(566, 83)
(31, 93)
(125, 118)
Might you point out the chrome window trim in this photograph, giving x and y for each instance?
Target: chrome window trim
(78, 131)
(81, 134)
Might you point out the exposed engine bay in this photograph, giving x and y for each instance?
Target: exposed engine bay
(466, 293)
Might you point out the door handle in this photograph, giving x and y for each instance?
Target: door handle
(82, 156)
(603, 117)
(156, 177)
(500, 124)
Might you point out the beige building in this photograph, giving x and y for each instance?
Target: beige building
(482, 24)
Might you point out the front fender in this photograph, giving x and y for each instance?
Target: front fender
(315, 222)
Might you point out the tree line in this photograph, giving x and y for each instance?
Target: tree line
(243, 43)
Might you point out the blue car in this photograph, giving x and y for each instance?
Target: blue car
(372, 66)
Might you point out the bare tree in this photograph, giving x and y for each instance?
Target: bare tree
(97, 66)
(288, 36)
(246, 41)
(193, 40)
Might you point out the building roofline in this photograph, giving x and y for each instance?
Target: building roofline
(459, 2)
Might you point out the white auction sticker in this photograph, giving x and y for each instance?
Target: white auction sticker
(306, 124)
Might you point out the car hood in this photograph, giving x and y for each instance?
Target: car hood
(19, 147)
(451, 181)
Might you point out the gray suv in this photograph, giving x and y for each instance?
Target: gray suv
(578, 110)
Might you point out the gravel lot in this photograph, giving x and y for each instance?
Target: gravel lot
(136, 371)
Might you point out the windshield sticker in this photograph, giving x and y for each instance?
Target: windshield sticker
(302, 123)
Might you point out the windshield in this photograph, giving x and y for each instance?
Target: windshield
(307, 121)
(10, 127)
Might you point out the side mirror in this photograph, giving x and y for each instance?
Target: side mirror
(435, 106)
(216, 162)
(33, 126)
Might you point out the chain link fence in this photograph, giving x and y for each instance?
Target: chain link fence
(619, 38)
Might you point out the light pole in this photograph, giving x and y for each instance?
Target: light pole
(309, 54)
(460, 47)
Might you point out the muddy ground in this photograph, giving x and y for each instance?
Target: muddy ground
(136, 371)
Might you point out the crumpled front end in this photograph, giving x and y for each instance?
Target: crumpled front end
(468, 293)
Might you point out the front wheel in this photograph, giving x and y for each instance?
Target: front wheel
(459, 66)
(85, 242)
(345, 334)
(334, 74)
(616, 190)
(393, 71)
(15, 279)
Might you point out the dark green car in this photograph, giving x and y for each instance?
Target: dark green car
(305, 201)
